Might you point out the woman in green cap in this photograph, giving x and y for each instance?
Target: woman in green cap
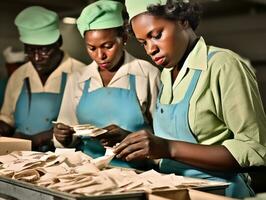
(209, 120)
(116, 91)
(34, 91)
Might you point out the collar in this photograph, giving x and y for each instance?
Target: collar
(197, 59)
(130, 66)
(37, 86)
(64, 66)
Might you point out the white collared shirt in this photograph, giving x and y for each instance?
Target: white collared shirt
(147, 85)
(16, 80)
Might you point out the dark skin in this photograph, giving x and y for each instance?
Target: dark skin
(168, 43)
(38, 140)
(105, 47)
(45, 59)
(5, 129)
(64, 134)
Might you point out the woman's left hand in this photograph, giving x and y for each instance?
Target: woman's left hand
(114, 135)
(142, 145)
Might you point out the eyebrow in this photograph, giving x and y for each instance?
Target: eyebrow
(149, 34)
(107, 42)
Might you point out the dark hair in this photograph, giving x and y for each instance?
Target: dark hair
(120, 31)
(178, 10)
(175, 10)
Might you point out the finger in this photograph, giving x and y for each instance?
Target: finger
(137, 155)
(119, 148)
(129, 149)
(103, 136)
(132, 138)
(109, 134)
(104, 142)
(110, 127)
(62, 126)
(63, 138)
(65, 133)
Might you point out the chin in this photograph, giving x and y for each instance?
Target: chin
(166, 66)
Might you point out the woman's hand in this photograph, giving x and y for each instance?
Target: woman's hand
(6, 129)
(142, 145)
(63, 133)
(114, 135)
(40, 141)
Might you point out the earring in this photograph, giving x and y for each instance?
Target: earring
(124, 43)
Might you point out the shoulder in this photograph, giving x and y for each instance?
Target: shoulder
(17, 78)
(77, 62)
(84, 72)
(228, 61)
(71, 64)
(142, 66)
(21, 72)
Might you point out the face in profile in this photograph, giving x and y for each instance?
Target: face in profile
(165, 41)
(105, 47)
(45, 58)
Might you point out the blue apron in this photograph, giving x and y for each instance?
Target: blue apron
(35, 112)
(106, 106)
(171, 122)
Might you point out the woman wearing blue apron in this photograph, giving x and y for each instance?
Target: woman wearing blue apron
(201, 129)
(116, 91)
(35, 90)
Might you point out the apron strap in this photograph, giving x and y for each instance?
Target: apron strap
(132, 82)
(63, 82)
(211, 54)
(195, 79)
(62, 87)
(86, 86)
(28, 89)
(192, 84)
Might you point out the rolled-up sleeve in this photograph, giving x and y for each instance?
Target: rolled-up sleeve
(243, 113)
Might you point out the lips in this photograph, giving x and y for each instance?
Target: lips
(159, 60)
(103, 65)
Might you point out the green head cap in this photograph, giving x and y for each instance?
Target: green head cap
(38, 26)
(101, 14)
(136, 7)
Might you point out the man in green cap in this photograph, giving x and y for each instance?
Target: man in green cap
(34, 91)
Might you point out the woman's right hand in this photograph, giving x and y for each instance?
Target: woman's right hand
(142, 145)
(63, 133)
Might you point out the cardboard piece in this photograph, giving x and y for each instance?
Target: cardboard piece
(8, 145)
(185, 194)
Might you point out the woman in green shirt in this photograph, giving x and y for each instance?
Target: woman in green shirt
(209, 120)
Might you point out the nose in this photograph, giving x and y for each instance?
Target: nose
(152, 48)
(36, 55)
(101, 54)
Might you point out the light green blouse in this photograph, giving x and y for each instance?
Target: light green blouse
(226, 106)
